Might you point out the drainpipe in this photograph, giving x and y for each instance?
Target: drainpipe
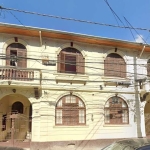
(40, 38)
(142, 51)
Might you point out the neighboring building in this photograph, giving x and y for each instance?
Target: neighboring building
(60, 89)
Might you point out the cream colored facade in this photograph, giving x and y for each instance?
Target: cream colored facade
(52, 86)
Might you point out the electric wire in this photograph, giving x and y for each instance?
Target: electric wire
(135, 30)
(54, 59)
(14, 16)
(72, 19)
(131, 32)
(113, 12)
(91, 67)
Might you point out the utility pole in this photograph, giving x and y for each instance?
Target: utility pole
(137, 101)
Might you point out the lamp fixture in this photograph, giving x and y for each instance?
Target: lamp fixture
(14, 90)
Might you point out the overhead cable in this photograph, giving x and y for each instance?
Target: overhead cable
(73, 19)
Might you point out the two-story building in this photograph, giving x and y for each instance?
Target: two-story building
(66, 90)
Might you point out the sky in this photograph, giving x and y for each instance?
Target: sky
(136, 12)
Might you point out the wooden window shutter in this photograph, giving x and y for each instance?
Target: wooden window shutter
(8, 57)
(109, 66)
(105, 67)
(114, 65)
(22, 61)
(148, 68)
(62, 62)
(117, 67)
(80, 64)
(123, 68)
(58, 63)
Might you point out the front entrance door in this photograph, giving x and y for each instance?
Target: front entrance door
(15, 130)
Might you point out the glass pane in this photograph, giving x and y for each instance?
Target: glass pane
(107, 104)
(81, 116)
(81, 103)
(58, 116)
(124, 104)
(73, 99)
(107, 116)
(68, 99)
(125, 116)
(59, 104)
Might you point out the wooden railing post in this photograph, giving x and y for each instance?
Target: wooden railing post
(16, 74)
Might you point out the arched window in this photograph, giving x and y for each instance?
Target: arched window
(148, 68)
(16, 55)
(115, 66)
(116, 111)
(70, 110)
(70, 60)
(17, 107)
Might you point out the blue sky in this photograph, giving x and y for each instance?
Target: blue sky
(137, 13)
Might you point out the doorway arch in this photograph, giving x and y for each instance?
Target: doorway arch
(16, 112)
(17, 107)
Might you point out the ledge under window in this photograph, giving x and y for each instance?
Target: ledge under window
(117, 125)
(71, 78)
(76, 126)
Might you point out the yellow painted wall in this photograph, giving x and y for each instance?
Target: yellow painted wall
(43, 122)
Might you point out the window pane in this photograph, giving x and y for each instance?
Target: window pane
(70, 111)
(59, 104)
(81, 116)
(116, 113)
(67, 99)
(107, 104)
(124, 104)
(125, 116)
(81, 103)
(73, 99)
(58, 116)
(70, 99)
(107, 116)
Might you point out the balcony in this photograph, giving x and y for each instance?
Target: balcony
(19, 76)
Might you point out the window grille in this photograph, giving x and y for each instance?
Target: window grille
(70, 110)
(116, 111)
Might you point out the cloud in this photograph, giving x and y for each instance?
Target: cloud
(139, 39)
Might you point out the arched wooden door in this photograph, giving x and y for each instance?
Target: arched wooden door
(16, 55)
(114, 66)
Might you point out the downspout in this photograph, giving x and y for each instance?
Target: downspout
(40, 38)
(142, 51)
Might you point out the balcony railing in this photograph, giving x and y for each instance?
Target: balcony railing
(15, 74)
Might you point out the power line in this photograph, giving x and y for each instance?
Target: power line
(73, 19)
(6, 57)
(135, 30)
(113, 12)
(16, 18)
(131, 32)
(90, 67)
